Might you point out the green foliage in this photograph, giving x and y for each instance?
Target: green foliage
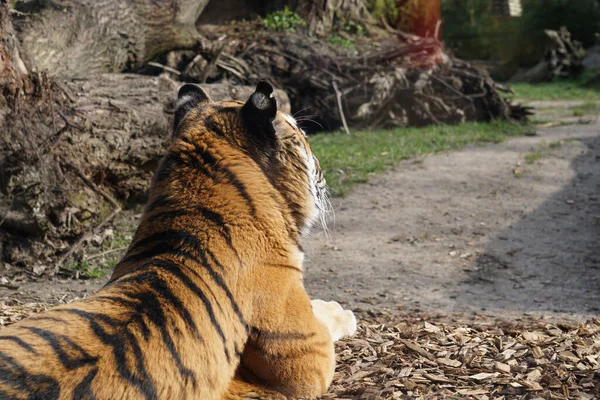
(340, 41)
(387, 9)
(581, 17)
(473, 32)
(113, 247)
(284, 20)
(352, 27)
(350, 159)
(87, 269)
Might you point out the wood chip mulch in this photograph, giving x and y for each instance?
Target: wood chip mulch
(415, 357)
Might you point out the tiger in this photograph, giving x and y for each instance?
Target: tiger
(208, 301)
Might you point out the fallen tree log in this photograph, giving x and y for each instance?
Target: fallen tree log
(83, 37)
(563, 58)
(111, 129)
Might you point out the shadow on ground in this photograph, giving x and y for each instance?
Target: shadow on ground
(552, 254)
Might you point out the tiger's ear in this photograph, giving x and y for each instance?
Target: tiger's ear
(259, 112)
(189, 97)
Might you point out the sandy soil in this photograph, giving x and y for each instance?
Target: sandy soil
(460, 232)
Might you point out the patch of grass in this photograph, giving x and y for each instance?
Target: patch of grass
(284, 20)
(88, 269)
(532, 157)
(340, 41)
(589, 107)
(106, 258)
(351, 159)
(352, 27)
(555, 145)
(558, 90)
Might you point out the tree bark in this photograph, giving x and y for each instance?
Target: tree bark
(82, 37)
(13, 73)
(320, 15)
(420, 17)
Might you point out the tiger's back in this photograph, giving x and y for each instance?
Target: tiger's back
(211, 284)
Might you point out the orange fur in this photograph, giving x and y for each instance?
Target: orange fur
(211, 284)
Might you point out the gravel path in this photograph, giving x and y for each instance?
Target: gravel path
(476, 231)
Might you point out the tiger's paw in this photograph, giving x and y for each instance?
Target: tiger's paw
(340, 322)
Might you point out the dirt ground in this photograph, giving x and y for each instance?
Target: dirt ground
(505, 230)
(474, 231)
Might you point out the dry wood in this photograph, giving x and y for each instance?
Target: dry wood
(117, 209)
(105, 253)
(380, 79)
(91, 184)
(211, 64)
(83, 37)
(338, 96)
(86, 237)
(390, 357)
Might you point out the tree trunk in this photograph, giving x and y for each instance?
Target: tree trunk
(82, 37)
(13, 73)
(420, 17)
(321, 14)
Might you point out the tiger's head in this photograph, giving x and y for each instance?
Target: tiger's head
(270, 138)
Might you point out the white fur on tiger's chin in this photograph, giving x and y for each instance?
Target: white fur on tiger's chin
(341, 323)
(320, 206)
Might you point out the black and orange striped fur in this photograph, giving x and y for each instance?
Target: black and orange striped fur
(208, 301)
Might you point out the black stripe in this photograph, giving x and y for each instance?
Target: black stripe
(121, 342)
(54, 340)
(269, 335)
(290, 124)
(218, 220)
(157, 284)
(179, 274)
(38, 387)
(145, 303)
(174, 239)
(194, 162)
(136, 312)
(209, 215)
(170, 163)
(84, 389)
(284, 266)
(162, 247)
(213, 126)
(167, 215)
(20, 342)
(180, 237)
(227, 109)
(91, 316)
(209, 159)
(45, 318)
(159, 202)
